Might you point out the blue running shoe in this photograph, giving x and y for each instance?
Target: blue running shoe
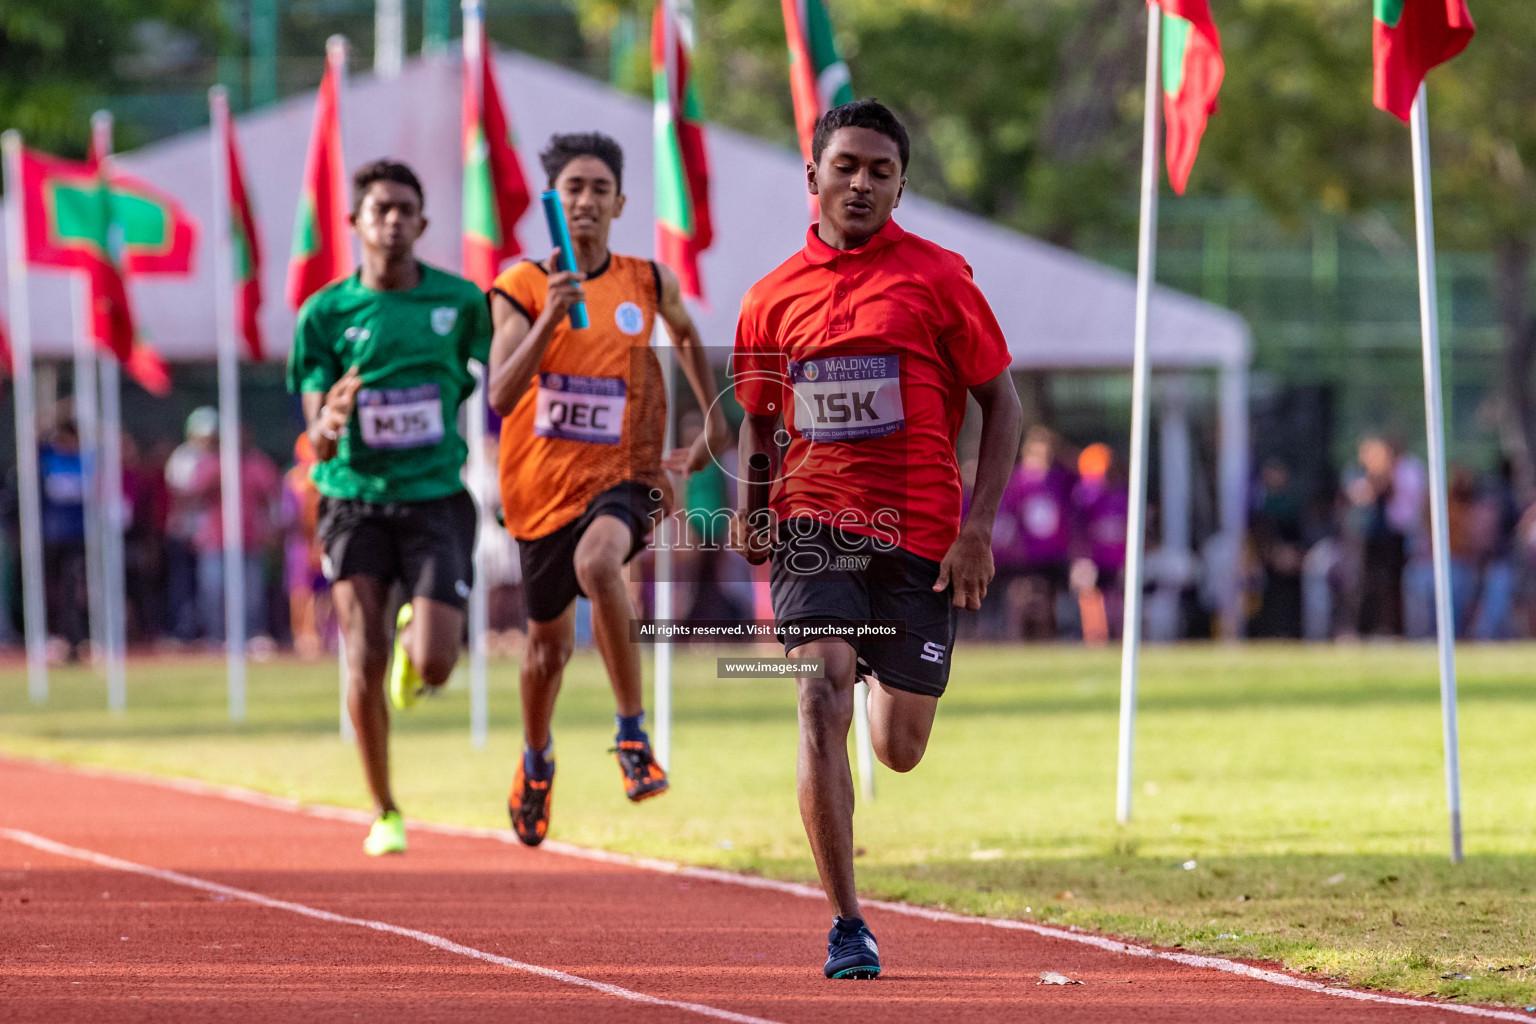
(851, 950)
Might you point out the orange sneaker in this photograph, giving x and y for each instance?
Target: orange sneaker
(529, 805)
(643, 777)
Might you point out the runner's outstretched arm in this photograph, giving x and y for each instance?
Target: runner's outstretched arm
(968, 563)
(689, 344)
(517, 346)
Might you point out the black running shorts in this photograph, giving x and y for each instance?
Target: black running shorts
(429, 546)
(819, 576)
(549, 562)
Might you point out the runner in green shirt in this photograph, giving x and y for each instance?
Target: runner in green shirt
(381, 360)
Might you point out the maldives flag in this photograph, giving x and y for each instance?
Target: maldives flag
(683, 228)
(1408, 38)
(322, 249)
(818, 77)
(245, 249)
(496, 194)
(69, 221)
(1192, 73)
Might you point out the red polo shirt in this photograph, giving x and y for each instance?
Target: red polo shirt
(868, 354)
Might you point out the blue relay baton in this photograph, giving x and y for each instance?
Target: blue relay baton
(560, 237)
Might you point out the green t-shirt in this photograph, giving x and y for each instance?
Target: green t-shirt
(412, 349)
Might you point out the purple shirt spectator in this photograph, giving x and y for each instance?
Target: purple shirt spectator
(1102, 509)
(1034, 522)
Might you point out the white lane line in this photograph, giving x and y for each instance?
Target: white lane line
(38, 842)
(505, 836)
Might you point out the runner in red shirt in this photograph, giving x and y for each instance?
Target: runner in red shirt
(858, 353)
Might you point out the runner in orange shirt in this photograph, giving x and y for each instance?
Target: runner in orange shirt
(582, 469)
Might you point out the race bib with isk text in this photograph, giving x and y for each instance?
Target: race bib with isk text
(401, 417)
(589, 409)
(847, 398)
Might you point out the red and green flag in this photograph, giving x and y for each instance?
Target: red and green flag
(818, 77)
(322, 249)
(496, 193)
(70, 226)
(1408, 38)
(5, 351)
(145, 249)
(244, 246)
(148, 368)
(106, 224)
(683, 228)
(1192, 73)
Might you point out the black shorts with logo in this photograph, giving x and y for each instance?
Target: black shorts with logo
(429, 546)
(549, 562)
(819, 575)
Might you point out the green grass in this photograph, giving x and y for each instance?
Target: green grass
(1304, 783)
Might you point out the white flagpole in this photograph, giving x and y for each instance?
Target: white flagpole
(665, 537)
(479, 597)
(34, 605)
(662, 728)
(388, 38)
(864, 744)
(1434, 422)
(88, 426)
(110, 488)
(336, 53)
(1136, 520)
(231, 494)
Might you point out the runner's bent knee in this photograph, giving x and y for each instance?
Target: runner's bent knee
(545, 658)
(598, 570)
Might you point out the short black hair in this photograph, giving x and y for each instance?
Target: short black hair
(865, 113)
(562, 149)
(383, 170)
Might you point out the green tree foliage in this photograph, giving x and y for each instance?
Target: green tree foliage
(59, 56)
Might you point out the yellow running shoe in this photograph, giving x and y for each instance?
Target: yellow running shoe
(404, 680)
(386, 836)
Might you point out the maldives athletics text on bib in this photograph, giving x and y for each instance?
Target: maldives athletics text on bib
(847, 398)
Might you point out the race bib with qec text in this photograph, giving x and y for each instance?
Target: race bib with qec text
(401, 417)
(847, 398)
(589, 409)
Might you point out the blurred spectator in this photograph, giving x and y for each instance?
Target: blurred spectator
(303, 577)
(1495, 525)
(1275, 530)
(63, 514)
(1100, 507)
(1033, 539)
(143, 541)
(260, 494)
(190, 503)
(1388, 495)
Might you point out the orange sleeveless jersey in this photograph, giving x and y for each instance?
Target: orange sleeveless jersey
(593, 416)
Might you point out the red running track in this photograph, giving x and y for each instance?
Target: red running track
(124, 899)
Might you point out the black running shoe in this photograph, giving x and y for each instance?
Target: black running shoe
(851, 950)
(529, 805)
(643, 777)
